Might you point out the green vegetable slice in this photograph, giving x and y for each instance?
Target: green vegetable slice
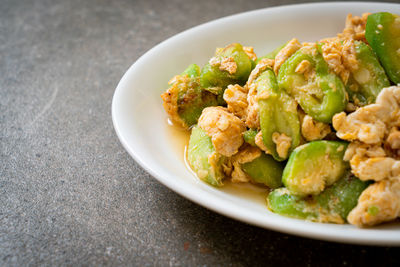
(278, 115)
(313, 166)
(383, 34)
(367, 81)
(320, 93)
(185, 99)
(203, 158)
(265, 170)
(332, 205)
(230, 65)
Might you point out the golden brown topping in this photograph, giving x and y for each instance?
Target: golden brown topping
(380, 202)
(306, 69)
(302, 66)
(253, 117)
(314, 130)
(236, 98)
(340, 56)
(291, 47)
(263, 95)
(225, 64)
(260, 143)
(228, 64)
(224, 128)
(355, 27)
(249, 50)
(283, 143)
(349, 55)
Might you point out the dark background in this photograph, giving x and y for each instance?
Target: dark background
(69, 193)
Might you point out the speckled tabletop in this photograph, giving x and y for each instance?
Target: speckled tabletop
(69, 193)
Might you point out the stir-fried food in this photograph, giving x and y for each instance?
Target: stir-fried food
(316, 122)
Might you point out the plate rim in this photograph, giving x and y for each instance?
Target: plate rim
(275, 222)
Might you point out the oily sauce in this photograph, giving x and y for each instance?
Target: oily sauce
(180, 139)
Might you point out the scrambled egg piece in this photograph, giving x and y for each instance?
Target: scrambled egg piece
(373, 155)
(247, 154)
(253, 116)
(380, 202)
(305, 68)
(260, 143)
(262, 65)
(224, 128)
(311, 129)
(355, 27)
(392, 143)
(369, 124)
(291, 47)
(236, 98)
(340, 56)
(282, 142)
(363, 125)
(249, 50)
(371, 162)
(225, 64)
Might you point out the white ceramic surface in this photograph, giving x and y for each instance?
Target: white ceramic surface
(139, 118)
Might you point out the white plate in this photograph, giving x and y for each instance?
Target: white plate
(140, 120)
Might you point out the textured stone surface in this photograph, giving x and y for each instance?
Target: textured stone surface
(69, 193)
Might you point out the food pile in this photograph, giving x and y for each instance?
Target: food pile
(317, 123)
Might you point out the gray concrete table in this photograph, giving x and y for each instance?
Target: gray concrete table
(69, 193)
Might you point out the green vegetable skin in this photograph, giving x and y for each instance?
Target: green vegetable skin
(213, 77)
(192, 98)
(313, 166)
(199, 149)
(249, 137)
(278, 113)
(272, 54)
(336, 201)
(369, 79)
(323, 95)
(265, 170)
(192, 71)
(383, 34)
